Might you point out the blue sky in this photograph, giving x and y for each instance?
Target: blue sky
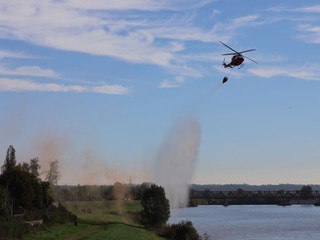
(99, 84)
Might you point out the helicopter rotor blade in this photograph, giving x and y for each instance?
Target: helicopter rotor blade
(238, 53)
(250, 59)
(247, 50)
(229, 47)
(226, 54)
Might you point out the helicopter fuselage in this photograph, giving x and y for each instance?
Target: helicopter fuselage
(236, 60)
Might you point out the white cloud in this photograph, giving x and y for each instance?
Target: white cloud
(301, 72)
(183, 70)
(179, 80)
(26, 85)
(133, 31)
(110, 89)
(29, 71)
(309, 9)
(310, 33)
(146, 5)
(72, 25)
(10, 54)
(305, 16)
(168, 84)
(227, 30)
(306, 9)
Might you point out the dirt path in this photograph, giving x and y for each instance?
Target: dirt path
(84, 233)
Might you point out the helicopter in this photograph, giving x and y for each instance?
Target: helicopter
(237, 58)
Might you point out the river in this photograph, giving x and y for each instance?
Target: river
(253, 222)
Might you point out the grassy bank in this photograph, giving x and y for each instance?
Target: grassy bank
(84, 231)
(104, 211)
(99, 220)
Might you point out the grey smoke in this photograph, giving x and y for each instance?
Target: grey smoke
(176, 160)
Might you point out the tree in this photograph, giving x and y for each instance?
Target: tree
(306, 192)
(34, 167)
(24, 190)
(3, 198)
(10, 161)
(53, 174)
(156, 208)
(52, 178)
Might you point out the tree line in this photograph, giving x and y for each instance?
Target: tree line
(117, 191)
(21, 187)
(305, 195)
(25, 197)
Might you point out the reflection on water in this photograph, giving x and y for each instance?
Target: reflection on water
(252, 222)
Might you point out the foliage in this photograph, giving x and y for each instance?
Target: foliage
(24, 190)
(12, 231)
(24, 197)
(34, 166)
(3, 197)
(306, 192)
(119, 191)
(10, 161)
(156, 209)
(181, 231)
(241, 196)
(53, 174)
(57, 215)
(17, 227)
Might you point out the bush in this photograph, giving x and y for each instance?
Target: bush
(15, 227)
(156, 208)
(9, 230)
(180, 231)
(57, 215)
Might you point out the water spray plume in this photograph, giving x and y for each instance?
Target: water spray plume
(176, 161)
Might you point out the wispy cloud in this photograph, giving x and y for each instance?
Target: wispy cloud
(21, 84)
(93, 29)
(302, 72)
(132, 31)
(26, 85)
(177, 82)
(311, 30)
(308, 9)
(11, 54)
(109, 89)
(116, 28)
(228, 30)
(168, 84)
(308, 21)
(305, 9)
(29, 71)
(310, 33)
(146, 5)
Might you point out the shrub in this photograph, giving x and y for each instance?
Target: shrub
(57, 215)
(156, 208)
(180, 231)
(9, 230)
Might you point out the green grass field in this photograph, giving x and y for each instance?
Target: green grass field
(104, 211)
(107, 220)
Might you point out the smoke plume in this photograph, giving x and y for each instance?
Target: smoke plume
(176, 160)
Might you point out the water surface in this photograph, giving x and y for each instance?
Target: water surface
(253, 222)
